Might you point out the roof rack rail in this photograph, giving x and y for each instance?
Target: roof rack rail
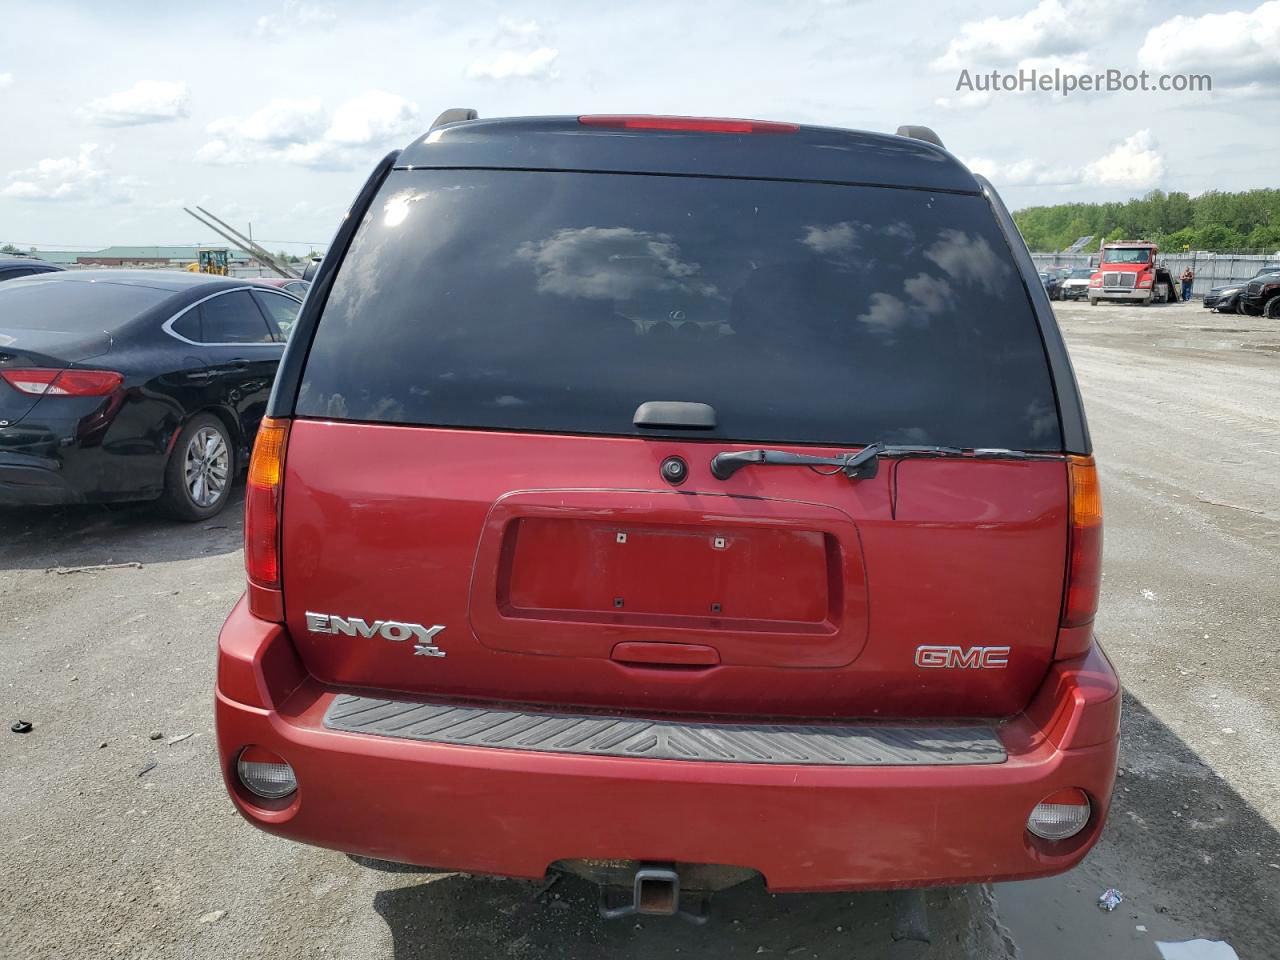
(920, 133)
(455, 115)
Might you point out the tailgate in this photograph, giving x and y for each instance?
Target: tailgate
(778, 592)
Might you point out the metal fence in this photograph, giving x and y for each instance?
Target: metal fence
(1211, 269)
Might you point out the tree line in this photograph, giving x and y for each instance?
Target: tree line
(1176, 221)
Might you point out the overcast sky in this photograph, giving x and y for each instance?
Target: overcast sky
(275, 112)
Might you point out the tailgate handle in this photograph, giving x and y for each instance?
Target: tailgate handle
(675, 414)
(666, 654)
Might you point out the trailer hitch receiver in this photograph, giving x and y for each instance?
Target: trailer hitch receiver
(655, 891)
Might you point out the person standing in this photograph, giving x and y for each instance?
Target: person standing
(1188, 278)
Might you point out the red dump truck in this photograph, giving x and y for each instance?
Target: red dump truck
(1129, 273)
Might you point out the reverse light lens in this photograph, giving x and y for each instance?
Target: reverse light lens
(698, 124)
(38, 382)
(264, 774)
(262, 504)
(1084, 564)
(1060, 815)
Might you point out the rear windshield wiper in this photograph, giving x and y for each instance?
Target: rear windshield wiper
(862, 465)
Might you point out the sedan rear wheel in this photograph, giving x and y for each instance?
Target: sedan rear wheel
(200, 470)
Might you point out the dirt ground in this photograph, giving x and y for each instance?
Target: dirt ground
(119, 845)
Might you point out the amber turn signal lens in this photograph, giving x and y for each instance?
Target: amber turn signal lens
(1084, 563)
(268, 453)
(262, 504)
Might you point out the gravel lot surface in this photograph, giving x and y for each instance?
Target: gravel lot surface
(120, 845)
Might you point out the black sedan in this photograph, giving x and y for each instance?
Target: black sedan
(11, 268)
(134, 385)
(1226, 298)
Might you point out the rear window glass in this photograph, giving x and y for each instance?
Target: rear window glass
(73, 306)
(802, 312)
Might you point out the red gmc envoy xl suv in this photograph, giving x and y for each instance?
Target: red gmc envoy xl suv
(674, 501)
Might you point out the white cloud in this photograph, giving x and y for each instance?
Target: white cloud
(1025, 172)
(220, 153)
(516, 52)
(1134, 163)
(294, 15)
(836, 238)
(303, 132)
(969, 259)
(79, 178)
(6, 80)
(147, 101)
(612, 263)
(1050, 28)
(1239, 49)
(965, 100)
(537, 64)
(527, 31)
(374, 117)
(277, 123)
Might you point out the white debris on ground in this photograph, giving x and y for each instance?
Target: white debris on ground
(1196, 950)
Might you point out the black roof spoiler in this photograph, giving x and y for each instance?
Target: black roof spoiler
(460, 114)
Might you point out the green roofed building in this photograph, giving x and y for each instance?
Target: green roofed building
(126, 256)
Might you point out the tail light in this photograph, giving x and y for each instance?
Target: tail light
(1084, 558)
(1060, 815)
(262, 520)
(694, 124)
(38, 382)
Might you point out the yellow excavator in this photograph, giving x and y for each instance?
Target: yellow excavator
(211, 260)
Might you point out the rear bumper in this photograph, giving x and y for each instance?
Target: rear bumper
(513, 812)
(27, 481)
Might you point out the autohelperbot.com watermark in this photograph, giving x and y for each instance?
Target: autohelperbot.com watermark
(1065, 82)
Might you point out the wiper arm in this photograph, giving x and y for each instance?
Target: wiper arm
(856, 466)
(862, 465)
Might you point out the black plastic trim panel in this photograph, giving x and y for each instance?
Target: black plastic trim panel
(819, 744)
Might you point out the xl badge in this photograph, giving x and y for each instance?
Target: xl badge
(394, 630)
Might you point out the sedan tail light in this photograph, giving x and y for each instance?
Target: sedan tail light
(38, 382)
